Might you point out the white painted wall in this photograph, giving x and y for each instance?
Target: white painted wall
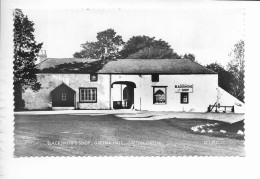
(40, 99)
(226, 99)
(204, 91)
(117, 92)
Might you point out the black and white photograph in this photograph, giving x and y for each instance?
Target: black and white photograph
(113, 82)
(129, 89)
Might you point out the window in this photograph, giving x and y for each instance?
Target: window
(184, 98)
(155, 77)
(93, 77)
(88, 95)
(63, 96)
(159, 95)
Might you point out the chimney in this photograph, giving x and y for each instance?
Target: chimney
(42, 55)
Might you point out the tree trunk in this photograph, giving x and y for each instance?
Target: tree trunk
(18, 101)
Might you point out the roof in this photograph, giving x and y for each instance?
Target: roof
(62, 85)
(122, 66)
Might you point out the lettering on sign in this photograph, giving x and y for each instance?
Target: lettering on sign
(183, 88)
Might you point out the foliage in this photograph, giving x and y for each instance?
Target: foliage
(236, 67)
(77, 67)
(106, 46)
(90, 50)
(151, 53)
(189, 56)
(26, 50)
(144, 47)
(224, 77)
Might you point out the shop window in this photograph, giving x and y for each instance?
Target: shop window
(88, 95)
(184, 98)
(93, 77)
(63, 96)
(159, 95)
(155, 77)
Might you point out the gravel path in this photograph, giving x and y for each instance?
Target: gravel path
(145, 115)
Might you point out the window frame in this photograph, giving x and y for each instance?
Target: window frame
(87, 101)
(182, 97)
(157, 77)
(165, 95)
(93, 74)
(62, 96)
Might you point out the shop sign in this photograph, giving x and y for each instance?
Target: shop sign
(183, 88)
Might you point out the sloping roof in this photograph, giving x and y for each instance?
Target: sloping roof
(62, 85)
(53, 62)
(122, 66)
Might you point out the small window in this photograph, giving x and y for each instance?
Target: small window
(184, 98)
(155, 77)
(88, 95)
(159, 95)
(63, 97)
(93, 77)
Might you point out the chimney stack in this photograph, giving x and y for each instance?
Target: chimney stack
(42, 55)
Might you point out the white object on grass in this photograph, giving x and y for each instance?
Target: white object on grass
(65, 132)
(240, 132)
(222, 131)
(195, 129)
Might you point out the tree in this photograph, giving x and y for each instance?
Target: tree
(106, 46)
(90, 50)
(144, 47)
(236, 67)
(189, 56)
(25, 54)
(224, 77)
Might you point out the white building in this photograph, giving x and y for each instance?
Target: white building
(141, 84)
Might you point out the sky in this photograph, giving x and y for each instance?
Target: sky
(209, 34)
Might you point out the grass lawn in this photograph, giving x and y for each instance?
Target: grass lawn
(110, 135)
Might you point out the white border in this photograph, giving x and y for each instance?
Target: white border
(131, 167)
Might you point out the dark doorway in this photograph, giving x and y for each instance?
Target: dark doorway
(63, 96)
(128, 97)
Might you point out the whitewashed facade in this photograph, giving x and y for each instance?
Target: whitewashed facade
(168, 92)
(204, 91)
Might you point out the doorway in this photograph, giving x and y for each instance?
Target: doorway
(123, 94)
(63, 96)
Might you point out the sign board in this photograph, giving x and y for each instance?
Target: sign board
(183, 88)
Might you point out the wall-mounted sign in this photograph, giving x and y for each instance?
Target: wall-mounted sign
(183, 88)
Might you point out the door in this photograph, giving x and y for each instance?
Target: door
(63, 96)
